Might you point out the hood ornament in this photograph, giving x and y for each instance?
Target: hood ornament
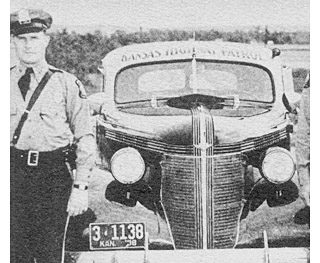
(194, 72)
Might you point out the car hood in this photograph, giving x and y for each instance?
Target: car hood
(178, 129)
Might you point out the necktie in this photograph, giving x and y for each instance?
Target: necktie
(24, 82)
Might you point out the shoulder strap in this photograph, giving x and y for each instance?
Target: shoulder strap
(32, 101)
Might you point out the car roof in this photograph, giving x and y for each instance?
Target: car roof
(181, 50)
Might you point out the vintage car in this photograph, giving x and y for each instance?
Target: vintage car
(195, 134)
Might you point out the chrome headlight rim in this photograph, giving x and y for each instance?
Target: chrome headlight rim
(267, 154)
(123, 178)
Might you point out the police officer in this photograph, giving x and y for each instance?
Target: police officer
(303, 154)
(43, 193)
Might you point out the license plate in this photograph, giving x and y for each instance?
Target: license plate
(117, 236)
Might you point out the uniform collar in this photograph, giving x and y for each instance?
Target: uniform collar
(38, 70)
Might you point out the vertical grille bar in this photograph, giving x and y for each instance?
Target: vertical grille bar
(202, 126)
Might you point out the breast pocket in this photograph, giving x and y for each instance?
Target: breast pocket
(52, 107)
(52, 112)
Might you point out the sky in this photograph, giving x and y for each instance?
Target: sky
(173, 14)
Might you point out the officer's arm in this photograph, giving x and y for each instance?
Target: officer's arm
(78, 112)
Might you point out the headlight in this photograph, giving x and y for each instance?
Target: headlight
(127, 166)
(277, 165)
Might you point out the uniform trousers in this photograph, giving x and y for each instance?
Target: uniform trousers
(38, 201)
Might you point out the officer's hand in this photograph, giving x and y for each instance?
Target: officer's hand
(78, 202)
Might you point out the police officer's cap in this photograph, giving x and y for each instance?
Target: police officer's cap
(29, 21)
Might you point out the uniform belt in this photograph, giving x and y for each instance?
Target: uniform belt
(36, 158)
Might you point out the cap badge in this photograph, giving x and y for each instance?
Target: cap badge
(24, 16)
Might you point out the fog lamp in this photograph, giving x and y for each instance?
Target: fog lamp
(127, 165)
(277, 165)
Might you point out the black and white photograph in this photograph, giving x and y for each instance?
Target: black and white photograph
(159, 131)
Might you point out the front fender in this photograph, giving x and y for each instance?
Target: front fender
(275, 195)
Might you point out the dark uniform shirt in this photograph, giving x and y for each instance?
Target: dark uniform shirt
(59, 116)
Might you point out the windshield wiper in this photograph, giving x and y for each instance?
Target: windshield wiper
(229, 102)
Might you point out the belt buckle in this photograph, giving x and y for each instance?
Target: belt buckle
(33, 158)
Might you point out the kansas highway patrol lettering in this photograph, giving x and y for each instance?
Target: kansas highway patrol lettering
(143, 55)
(230, 53)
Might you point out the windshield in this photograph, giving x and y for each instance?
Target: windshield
(166, 80)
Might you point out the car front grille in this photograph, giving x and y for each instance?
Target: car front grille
(202, 194)
(183, 200)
